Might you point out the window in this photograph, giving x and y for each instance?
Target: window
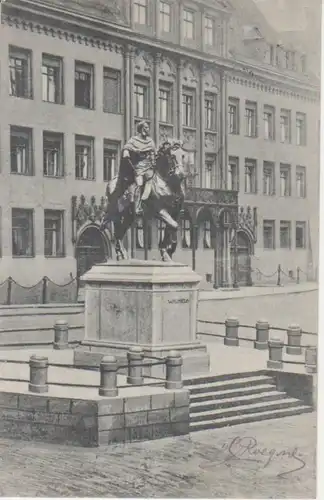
(53, 157)
(188, 111)
(300, 129)
(269, 123)
(210, 112)
(22, 233)
(84, 85)
(110, 160)
(141, 100)
(269, 234)
(52, 79)
(233, 115)
(285, 180)
(20, 72)
(209, 171)
(285, 234)
(111, 91)
(53, 233)
(285, 125)
(165, 104)
(233, 174)
(300, 234)
(209, 31)
(207, 234)
(140, 11)
(84, 157)
(250, 176)
(188, 24)
(301, 182)
(165, 17)
(186, 233)
(251, 119)
(21, 153)
(268, 178)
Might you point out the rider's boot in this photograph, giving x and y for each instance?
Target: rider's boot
(138, 201)
(168, 219)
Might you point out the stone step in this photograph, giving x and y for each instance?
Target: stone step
(244, 409)
(250, 399)
(232, 393)
(250, 417)
(220, 385)
(207, 379)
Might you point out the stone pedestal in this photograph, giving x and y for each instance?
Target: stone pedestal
(150, 304)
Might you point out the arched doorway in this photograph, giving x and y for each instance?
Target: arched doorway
(243, 259)
(91, 248)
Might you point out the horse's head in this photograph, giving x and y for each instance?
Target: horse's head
(172, 157)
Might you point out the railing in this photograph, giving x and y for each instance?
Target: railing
(261, 340)
(279, 277)
(45, 291)
(109, 368)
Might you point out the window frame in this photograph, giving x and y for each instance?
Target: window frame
(58, 253)
(24, 134)
(251, 114)
(113, 147)
(85, 142)
(300, 170)
(285, 114)
(140, 7)
(233, 161)
(186, 23)
(86, 69)
(164, 15)
(56, 63)
(209, 31)
(190, 94)
(23, 212)
(210, 121)
(299, 225)
(284, 224)
(145, 85)
(269, 223)
(21, 54)
(269, 111)
(301, 138)
(234, 104)
(248, 164)
(270, 166)
(168, 89)
(285, 167)
(58, 138)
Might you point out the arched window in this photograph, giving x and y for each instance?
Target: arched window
(186, 233)
(207, 234)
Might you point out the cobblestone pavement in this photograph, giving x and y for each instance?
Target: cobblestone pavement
(196, 466)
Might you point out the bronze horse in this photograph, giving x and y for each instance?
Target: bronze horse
(164, 201)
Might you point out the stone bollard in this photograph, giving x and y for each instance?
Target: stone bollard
(231, 332)
(108, 376)
(135, 365)
(38, 372)
(275, 354)
(262, 334)
(174, 371)
(294, 334)
(311, 360)
(61, 334)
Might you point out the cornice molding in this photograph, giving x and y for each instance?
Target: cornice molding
(256, 75)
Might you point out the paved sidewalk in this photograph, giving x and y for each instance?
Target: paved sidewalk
(253, 291)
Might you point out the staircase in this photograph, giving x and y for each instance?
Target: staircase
(221, 401)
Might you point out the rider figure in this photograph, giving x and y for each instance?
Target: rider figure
(140, 151)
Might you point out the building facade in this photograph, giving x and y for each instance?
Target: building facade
(76, 77)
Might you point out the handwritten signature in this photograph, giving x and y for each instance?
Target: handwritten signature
(247, 450)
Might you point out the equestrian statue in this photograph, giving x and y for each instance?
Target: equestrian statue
(150, 183)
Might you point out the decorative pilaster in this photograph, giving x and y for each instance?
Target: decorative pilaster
(156, 64)
(201, 123)
(223, 131)
(127, 95)
(178, 100)
(132, 53)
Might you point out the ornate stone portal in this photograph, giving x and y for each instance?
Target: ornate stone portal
(150, 304)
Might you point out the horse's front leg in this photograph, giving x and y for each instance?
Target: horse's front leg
(166, 246)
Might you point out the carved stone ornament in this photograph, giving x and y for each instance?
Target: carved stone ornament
(189, 74)
(211, 141)
(167, 68)
(211, 79)
(165, 133)
(84, 211)
(211, 196)
(189, 139)
(143, 63)
(247, 221)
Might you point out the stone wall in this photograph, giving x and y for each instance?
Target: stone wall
(94, 422)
